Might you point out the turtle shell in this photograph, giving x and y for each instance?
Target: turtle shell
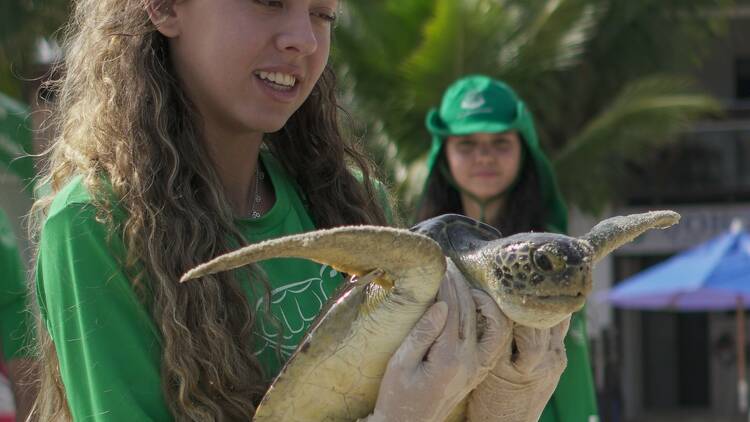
(457, 234)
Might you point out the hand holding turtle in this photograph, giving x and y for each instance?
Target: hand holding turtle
(523, 380)
(442, 359)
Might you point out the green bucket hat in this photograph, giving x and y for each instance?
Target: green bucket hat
(479, 103)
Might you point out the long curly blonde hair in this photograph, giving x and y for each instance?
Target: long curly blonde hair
(119, 114)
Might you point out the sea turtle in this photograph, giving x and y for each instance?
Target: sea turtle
(537, 279)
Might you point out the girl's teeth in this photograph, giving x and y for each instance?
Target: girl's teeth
(278, 78)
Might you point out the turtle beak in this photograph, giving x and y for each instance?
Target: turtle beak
(614, 232)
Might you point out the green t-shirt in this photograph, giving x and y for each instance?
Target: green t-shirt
(14, 322)
(106, 341)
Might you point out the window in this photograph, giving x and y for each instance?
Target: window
(742, 72)
(705, 166)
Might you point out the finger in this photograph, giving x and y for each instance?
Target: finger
(467, 314)
(532, 344)
(447, 294)
(557, 335)
(413, 349)
(498, 329)
(559, 360)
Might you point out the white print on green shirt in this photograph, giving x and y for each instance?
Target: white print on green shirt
(296, 305)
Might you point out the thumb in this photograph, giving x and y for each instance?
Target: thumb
(422, 336)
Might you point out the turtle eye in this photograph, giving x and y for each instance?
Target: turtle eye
(547, 261)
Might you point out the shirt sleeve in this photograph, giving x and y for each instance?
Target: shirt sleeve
(14, 316)
(107, 345)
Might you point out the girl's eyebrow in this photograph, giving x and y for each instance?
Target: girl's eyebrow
(333, 4)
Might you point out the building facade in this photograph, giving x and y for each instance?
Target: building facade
(660, 366)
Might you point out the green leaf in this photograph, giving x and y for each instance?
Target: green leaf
(646, 114)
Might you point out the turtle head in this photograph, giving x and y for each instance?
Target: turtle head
(537, 279)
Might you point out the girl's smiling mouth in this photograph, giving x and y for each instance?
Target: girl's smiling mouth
(277, 80)
(280, 84)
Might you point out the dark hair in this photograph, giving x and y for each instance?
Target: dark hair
(323, 163)
(524, 208)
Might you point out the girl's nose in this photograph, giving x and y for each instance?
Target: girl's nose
(297, 35)
(484, 153)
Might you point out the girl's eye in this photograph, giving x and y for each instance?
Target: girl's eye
(466, 147)
(326, 16)
(271, 3)
(499, 142)
(501, 145)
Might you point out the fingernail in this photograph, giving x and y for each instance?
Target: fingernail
(441, 307)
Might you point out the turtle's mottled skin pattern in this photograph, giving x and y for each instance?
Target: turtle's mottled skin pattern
(537, 280)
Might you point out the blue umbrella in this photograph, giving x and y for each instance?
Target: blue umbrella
(712, 276)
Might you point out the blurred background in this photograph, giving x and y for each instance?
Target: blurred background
(641, 104)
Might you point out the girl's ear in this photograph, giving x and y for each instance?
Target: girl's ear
(163, 16)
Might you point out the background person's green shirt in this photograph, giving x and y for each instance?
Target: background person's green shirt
(107, 344)
(574, 398)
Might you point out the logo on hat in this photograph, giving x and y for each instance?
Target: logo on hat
(472, 100)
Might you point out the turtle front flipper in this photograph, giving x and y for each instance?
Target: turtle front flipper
(335, 373)
(410, 258)
(614, 232)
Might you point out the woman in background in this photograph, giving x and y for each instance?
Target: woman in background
(486, 163)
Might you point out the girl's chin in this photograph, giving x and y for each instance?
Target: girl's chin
(485, 195)
(269, 123)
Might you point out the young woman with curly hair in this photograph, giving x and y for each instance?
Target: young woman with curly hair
(188, 128)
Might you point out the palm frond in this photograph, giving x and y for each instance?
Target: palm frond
(553, 40)
(646, 113)
(567, 58)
